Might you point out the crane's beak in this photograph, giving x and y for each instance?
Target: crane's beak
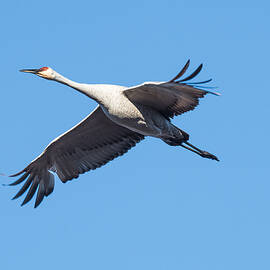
(29, 70)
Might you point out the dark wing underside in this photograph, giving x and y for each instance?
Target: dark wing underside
(91, 144)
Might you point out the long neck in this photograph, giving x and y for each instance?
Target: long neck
(86, 89)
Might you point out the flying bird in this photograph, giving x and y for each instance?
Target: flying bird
(123, 117)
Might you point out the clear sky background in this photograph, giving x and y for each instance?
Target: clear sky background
(157, 207)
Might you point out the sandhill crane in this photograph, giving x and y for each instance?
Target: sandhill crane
(123, 117)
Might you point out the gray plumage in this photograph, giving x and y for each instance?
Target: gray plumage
(124, 116)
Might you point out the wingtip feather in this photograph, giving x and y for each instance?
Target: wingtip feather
(182, 71)
(192, 75)
(16, 174)
(215, 93)
(31, 191)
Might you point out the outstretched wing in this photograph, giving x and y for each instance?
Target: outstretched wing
(170, 98)
(92, 143)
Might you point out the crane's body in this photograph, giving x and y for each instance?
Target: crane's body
(137, 117)
(124, 116)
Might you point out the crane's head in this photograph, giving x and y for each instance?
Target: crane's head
(44, 72)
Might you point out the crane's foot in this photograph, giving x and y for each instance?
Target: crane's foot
(205, 154)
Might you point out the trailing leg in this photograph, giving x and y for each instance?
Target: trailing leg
(178, 137)
(198, 151)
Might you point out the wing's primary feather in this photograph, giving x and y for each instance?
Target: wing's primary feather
(182, 72)
(192, 75)
(92, 143)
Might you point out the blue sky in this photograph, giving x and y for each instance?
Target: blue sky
(158, 207)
